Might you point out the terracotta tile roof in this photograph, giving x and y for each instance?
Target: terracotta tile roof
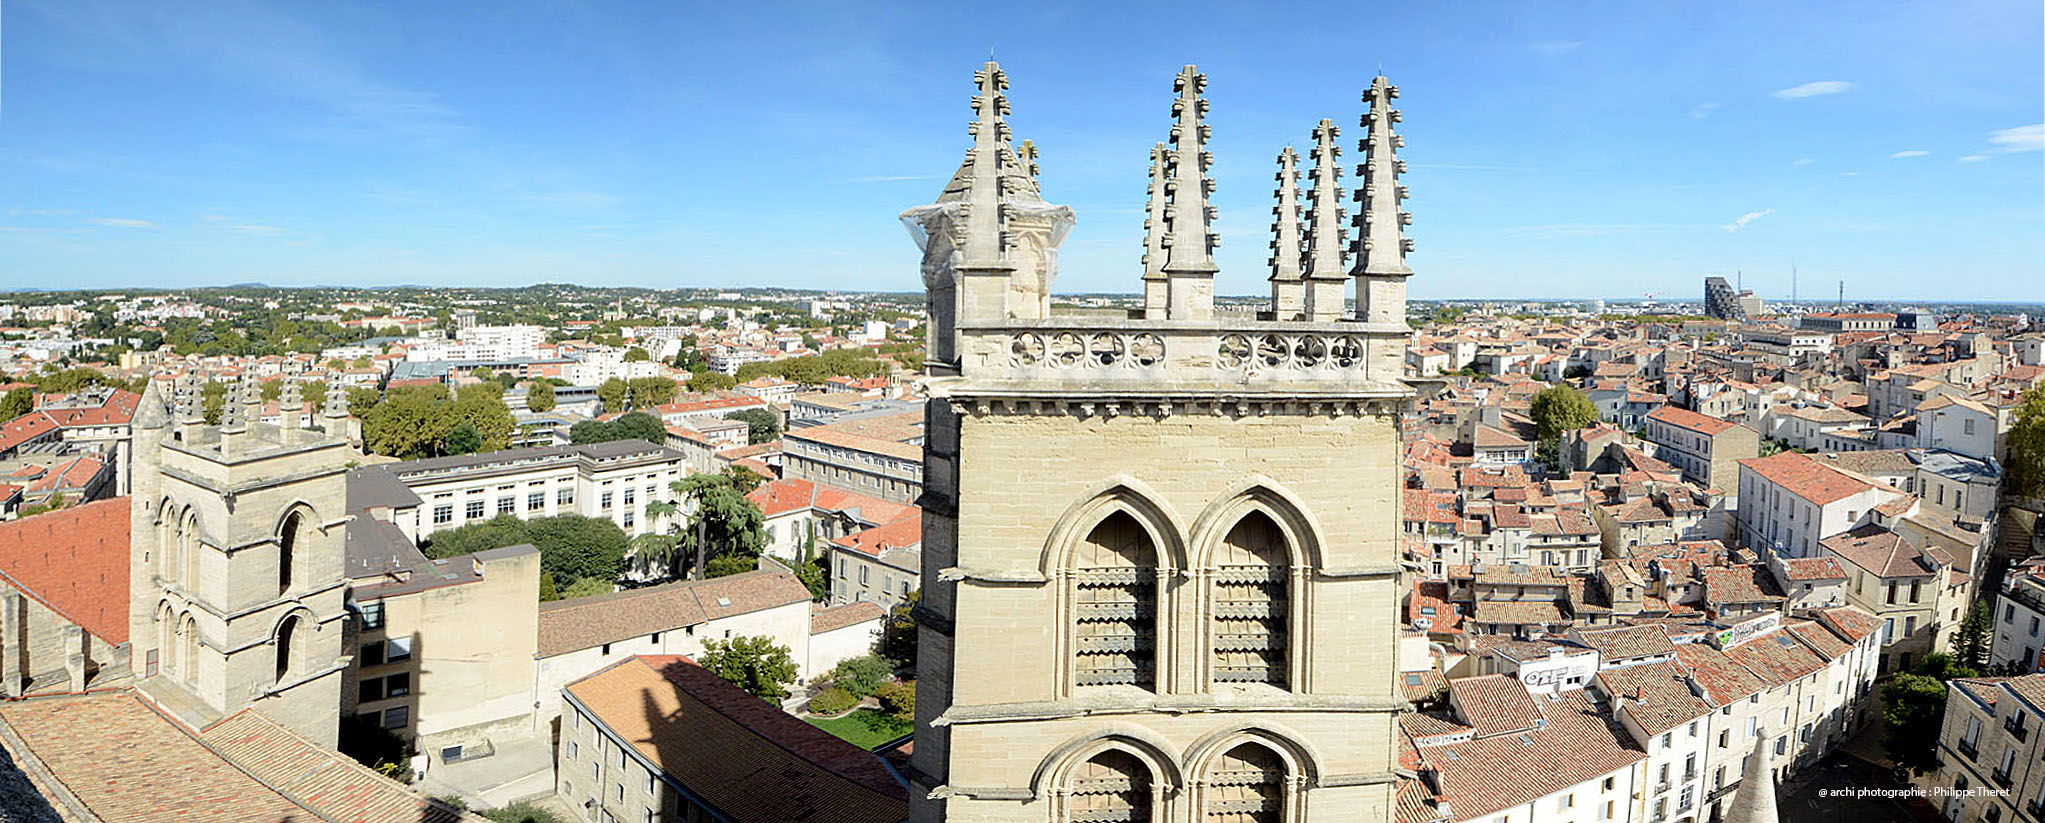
(1850, 622)
(1628, 642)
(1579, 744)
(126, 762)
(1809, 479)
(823, 619)
(746, 758)
(325, 781)
(1740, 584)
(894, 435)
(1414, 804)
(1494, 704)
(899, 533)
(1821, 640)
(1430, 601)
(1656, 695)
(1984, 690)
(1687, 419)
(75, 561)
(1882, 553)
(1515, 574)
(584, 622)
(1776, 657)
(1812, 568)
(1519, 612)
(1423, 725)
(1723, 679)
(1423, 684)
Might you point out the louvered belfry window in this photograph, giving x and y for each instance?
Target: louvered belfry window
(1251, 579)
(1111, 787)
(1246, 786)
(1115, 607)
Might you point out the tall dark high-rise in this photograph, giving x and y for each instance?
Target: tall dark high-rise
(1721, 302)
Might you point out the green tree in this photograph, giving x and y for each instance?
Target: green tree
(1577, 372)
(637, 355)
(539, 396)
(726, 565)
(724, 522)
(1971, 642)
(462, 439)
(709, 381)
(572, 547)
(2027, 446)
(762, 426)
(647, 392)
(587, 587)
(410, 423)
(899, 699)
(1913, 709)
(812, 576)
(272, 390)
(755, 664)
(613, 393)
(363, 398)
(898, 632)
(482, 406)
(1559, 409)
(18, 402)
(863, 674)
(213, 401)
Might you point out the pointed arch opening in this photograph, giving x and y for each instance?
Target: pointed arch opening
(188, 552)
(188, 650)
(290, 643)
(1115, 605)
(1246, 784)
(1113, 785)
(289, 538)
(1252, 606)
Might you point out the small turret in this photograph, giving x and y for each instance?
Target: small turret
(1326, 274)
(1189, 265)
(1288, 293)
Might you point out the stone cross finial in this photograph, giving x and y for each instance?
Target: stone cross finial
(1189, 267)
(1288, 295)
(1325, 233)
(1154, 228)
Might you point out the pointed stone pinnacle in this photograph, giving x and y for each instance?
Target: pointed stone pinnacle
(1285, 230)
(1192, 238)
(983, 241)
(1381, 247)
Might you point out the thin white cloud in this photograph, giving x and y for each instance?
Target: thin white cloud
(1744, 219)
(1812, 89)
(1703, 110)
(1910, 153)
(1555, 47)
(886, 178)
(254, 228)
(1803, 161)
(1974, 158)
(23, 210)
(121, 223)
(2021, 138)
(1849, 174)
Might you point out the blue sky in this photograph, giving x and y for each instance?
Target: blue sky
(1556, 150)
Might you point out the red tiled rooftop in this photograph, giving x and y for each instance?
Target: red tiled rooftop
(75, 561)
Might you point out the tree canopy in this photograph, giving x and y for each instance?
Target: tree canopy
(762, 426)
(753, 663)
(629, 426)
(572, 547)
(539, 396)
(417, 421)
(1559, 409)
(723, 523)
(2027, 446)
(814, 370)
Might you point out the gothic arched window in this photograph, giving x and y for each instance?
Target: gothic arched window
(289, 642)
(188, 552)
(188, 650)
(1111, 786)
(1252, 582)
(1245, 785)
(1114, 636)
(287, 549)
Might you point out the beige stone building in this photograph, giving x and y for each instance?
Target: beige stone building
(1989, 750)
(1160, 576)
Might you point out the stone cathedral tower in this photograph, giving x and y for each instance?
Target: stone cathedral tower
(1161, 574)
(237, 587)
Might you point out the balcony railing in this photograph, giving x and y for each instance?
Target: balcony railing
(2003, 779)
(1969, 750)
(2016, 730)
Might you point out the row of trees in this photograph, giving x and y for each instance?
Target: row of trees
(578, 555)
(619, 394)
(629, 426)
(815, 369)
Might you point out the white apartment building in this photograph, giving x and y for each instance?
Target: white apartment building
(1989, 751)
(612, 480)
(1790, 502)
(480, 343)
(2019, 614)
